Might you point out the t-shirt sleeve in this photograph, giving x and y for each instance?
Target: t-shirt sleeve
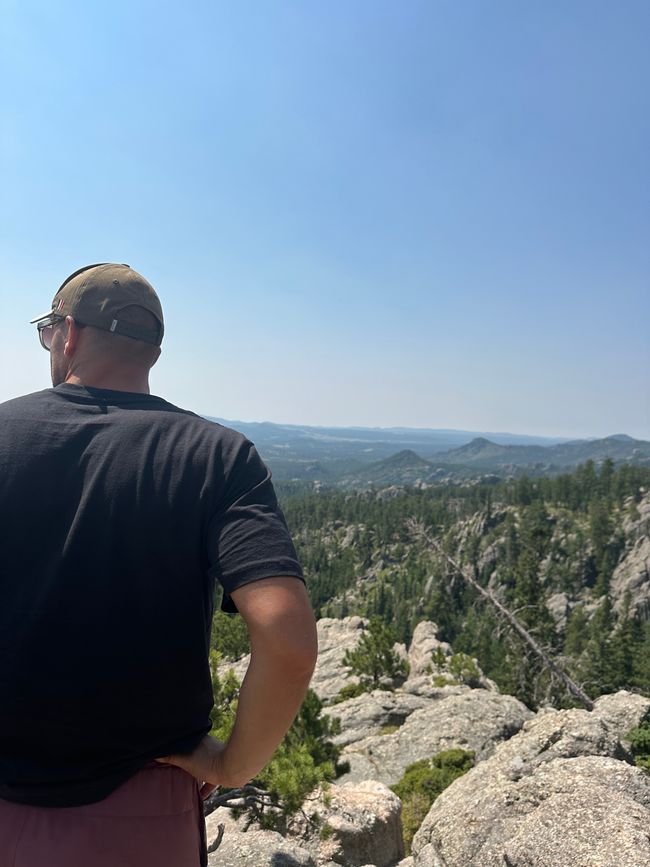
(248, 537)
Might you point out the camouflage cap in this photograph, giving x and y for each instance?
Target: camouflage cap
(95, 295)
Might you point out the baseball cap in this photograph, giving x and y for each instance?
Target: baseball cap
(96, 294)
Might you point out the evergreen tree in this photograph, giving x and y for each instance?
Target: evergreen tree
(576, 636)
(306, 758)
(624, 644)
(229, 635)
(597, 662)
(374, 658)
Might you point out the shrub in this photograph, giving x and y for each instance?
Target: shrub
(461, 667)
(350, 690)
(640, 740)
(421, 784)
(464, 669)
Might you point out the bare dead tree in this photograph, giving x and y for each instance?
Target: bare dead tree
(418, 531)
(217, 840)
(243, 797)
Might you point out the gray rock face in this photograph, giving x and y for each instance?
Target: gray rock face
(367, 714)
(334, 638)
(337, 636)
(622, 711)
(423, 644)
(361, 825)
(632, 574)
(594, 831)
(423, 669)
(559, 609)
(259, 849)
(471, 719)
(559, 764)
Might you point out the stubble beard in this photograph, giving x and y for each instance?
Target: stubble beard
(57, 372)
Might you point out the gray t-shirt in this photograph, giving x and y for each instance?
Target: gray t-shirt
(117, 511)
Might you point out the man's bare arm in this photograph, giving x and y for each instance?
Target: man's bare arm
(282, 630)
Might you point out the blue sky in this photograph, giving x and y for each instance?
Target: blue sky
(430, 214)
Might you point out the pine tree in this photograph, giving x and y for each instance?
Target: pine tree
(374, 659)
(306, 758)
(625, 642)
(597, 665)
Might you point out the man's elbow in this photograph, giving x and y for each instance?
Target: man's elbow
(305, 659)
(294, 650)
(298, 652)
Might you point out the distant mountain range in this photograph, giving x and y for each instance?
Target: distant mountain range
(482, 458)
(378, 457)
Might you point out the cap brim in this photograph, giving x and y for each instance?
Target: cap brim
(40, 318)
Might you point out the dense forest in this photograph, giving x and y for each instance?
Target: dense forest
(548, 548)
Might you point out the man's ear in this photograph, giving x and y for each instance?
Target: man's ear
(71, 337)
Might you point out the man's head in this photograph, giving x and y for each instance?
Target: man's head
(104, 329)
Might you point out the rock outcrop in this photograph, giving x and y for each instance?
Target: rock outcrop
(334, 638)
(622, 711)
(350, 825)
(259, 849)
(371, 712)
(429, 660)
(631, 578)
(559, 607)
(540, 801)
(595, 826)
(357, 824)
(552, 789)
(469, 719)
(424, 644)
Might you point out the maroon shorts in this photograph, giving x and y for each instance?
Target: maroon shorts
(155, 819)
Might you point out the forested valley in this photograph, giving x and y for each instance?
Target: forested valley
(566, 555)
(559, 552)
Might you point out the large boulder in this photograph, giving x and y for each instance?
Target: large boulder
(469, 719)
(559, 607)
(334, 638)
(371, 712)
(425, 671)
(424, 644)
(622, 711)
(559, 763)
(631, 578)
(259, 849)
(590, 827)
(351, 825)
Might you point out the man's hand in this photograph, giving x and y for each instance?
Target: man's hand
(203, 763)
(282, 629)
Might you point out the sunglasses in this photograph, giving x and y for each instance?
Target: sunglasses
(46, 329)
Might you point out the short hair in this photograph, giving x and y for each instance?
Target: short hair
(127, 348)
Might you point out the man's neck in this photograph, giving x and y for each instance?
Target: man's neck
(113, 381)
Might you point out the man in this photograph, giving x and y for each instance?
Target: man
(119, 511)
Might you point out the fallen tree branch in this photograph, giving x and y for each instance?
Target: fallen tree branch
(417, 529)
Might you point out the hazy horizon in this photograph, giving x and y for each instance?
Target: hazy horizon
(477, 432)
